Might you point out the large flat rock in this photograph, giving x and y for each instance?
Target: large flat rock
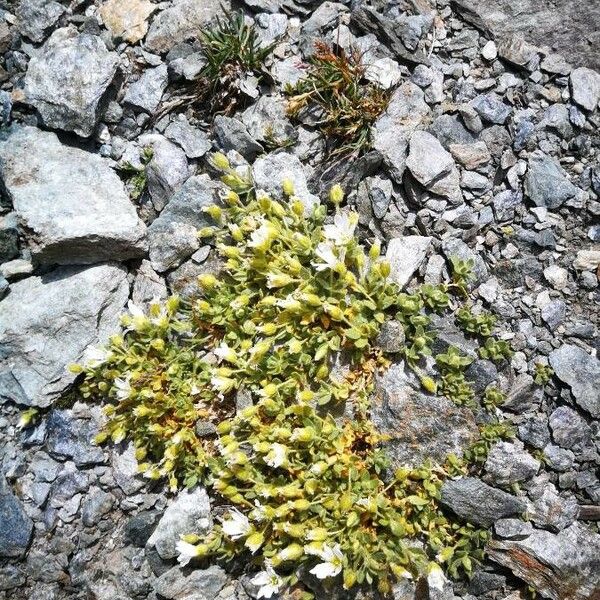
(72, 204)
(15, 526)
(420, 426)
(46, 323)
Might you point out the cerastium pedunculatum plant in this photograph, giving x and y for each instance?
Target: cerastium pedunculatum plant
(296, 297)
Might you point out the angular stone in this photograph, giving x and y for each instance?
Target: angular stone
(453, 247)
(433, 167)
(267, 122)
(546, 183)
(194, 142)
(146, 92)
(508, 463)
(148, 286)
(69, 437)
(581, 371)
(504, 204)
(127, 19)
(35, 17)
(183, 20)
(67, 79)
(491, 108)
(125, 471)
(558, 566)
(405, 255)
(15, 526)
(569, 429)
(585, 87)
(391, 132)
(188, 513)
(197, 584)
(68, 309)
(72, 204)
(477, 502)
(232, 134)
(167, 170)
(421, 426)
(173, 236)
(471, 156)
(552, 511)
(270, 171)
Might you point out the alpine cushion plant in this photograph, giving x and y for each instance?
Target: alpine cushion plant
(290, 321)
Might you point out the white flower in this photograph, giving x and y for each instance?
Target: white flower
(436, 578)
(236, 525)
(325, 252)
(123, 387)
(268, 580)
(332, 562)
(134, 309)
(289, 303)
(342, 230)
(186, 552)
(93, 356)
(222, 384)
(262, 237)
(224, 352)
(259, 513)
(277, 455)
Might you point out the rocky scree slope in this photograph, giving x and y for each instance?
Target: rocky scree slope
(488, 150)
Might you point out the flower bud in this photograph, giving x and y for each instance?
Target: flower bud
(297, 208)
(336, 194)
(429, 384)
(375, 250)
(207, 281)
(304, 434)
(214, 211)
(385, 268)
(288, 187)
(219, 161)
(292, 552)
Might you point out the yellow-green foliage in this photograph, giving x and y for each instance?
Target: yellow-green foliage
(296, 293)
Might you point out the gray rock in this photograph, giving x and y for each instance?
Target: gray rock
(391, 336)
(581, 371)
(552, 511)
(197, 584)
(148, 286)
(16, 269)
(557, 458)
(504, 204)
(146, 92)
(72, 204)
(183, 20)
(534, 431)
(194, 142)
(421, 426)
(546, 183)
(35, 17)
(585, 87)
(471, 156)
(69, 437)
(433, 167)
(558, 566)
(15, 526)
(188, 513)
(491, 108)
(448, 334)
(449, 129)
(173, 236)
(270, 171)
(67, 79)
(68, 310)
(167, 170)
(125, 471)
(556, 118)
(457, 248)
(267, 123)
(512, 529)
(556, 276)
(508, 463)
(554, 313)
(9, 236)
(405, 256)
(95, 505)
(477, 502)
(569, 430)
(140, 527)
(480, 373)
(406, 111)
(232, 134)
